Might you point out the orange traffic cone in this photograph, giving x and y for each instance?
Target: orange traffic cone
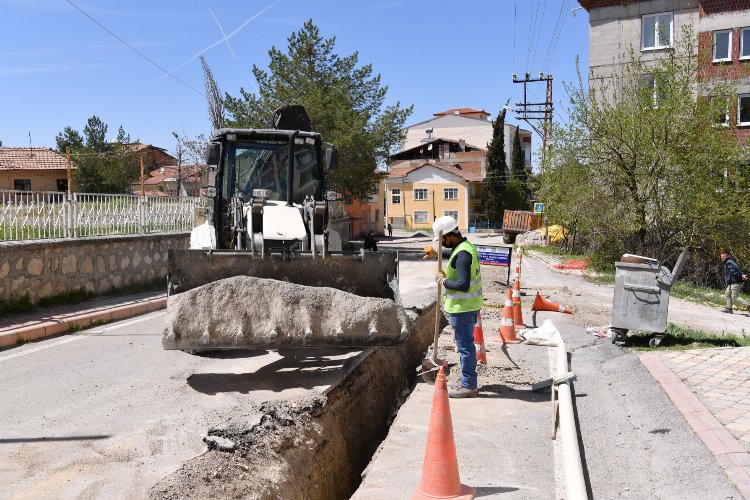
(479, 340)
(440, 468)
(507, 326)
(542, 304)
(517, 312)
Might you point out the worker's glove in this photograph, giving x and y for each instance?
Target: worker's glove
(440, 277)
(429, 252)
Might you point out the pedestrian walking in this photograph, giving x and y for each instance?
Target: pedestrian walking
(733, 278)
(390, 230)
(462, 281)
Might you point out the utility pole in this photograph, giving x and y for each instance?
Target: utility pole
(537, 111)
(70, 173)
(179, 152)
(143, 181)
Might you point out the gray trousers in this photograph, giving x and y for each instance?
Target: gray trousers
(733, 295)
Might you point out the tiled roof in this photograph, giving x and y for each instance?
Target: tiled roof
(169, 173)
(405, 170)
(460, 111)
(31, 159)
(137, 146)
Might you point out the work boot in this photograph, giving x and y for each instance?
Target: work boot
(463, 392)
(727, 310)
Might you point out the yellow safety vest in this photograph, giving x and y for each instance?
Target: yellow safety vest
(471, 300)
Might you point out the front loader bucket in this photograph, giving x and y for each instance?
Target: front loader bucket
(372, 274)
(232, 300)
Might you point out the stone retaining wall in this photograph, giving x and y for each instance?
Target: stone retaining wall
(43, 268)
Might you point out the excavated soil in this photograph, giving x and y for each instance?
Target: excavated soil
(310, 448)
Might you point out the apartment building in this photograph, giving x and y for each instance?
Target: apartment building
(652, 27)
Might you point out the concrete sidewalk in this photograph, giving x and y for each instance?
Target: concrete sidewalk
(494, 433)
(49, 321)
(711, 388)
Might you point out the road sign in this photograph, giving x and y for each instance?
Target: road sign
(494, 255)
(538, 208)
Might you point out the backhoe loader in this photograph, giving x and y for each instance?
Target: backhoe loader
(268, 219)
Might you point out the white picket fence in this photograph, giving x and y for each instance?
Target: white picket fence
(26, 215)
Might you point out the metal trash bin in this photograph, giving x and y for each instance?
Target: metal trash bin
(641, 298)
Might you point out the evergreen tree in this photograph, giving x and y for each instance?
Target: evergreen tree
(68, 138)
(122, 137)
(101, 167)
(345, 102)
(493, 186)
(95, 133)
(517, 160)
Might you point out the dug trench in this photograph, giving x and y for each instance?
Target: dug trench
(314, 447)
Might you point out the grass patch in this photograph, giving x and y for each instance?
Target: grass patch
(22, 341)
(18, 305)
(682, 338)
(600, 278)
(700, 294)
(556, 251)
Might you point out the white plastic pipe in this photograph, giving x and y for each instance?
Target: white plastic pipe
(575, 484)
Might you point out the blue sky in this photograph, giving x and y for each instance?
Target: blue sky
(57, 67)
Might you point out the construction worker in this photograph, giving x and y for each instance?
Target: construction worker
(462, 281)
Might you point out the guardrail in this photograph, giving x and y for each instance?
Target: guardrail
(26, 215)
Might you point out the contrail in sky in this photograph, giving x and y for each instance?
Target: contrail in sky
(230, 35)
(222, 33)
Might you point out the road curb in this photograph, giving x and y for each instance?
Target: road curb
(731, 455)
(61, 324)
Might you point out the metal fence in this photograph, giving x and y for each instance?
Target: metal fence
(26, 215)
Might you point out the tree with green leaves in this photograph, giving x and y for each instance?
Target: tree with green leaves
(101, 167)
(644, 166)
(345, 101)
(493, 186)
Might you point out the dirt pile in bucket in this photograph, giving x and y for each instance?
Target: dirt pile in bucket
(244, 311)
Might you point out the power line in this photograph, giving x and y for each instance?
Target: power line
(144, 56)
(532, 31)
(556, 35)
(515, 19)
(539, 33)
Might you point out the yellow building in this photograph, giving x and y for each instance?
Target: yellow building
(418, 193)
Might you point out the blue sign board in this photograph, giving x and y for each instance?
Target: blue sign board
(538, 208)
(494, 255)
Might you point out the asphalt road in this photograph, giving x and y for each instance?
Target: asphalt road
(105, 413)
